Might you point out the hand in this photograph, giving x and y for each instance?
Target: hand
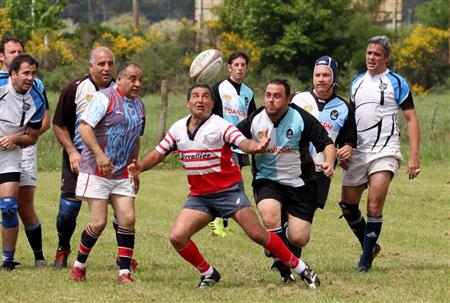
(344, 153)
(413, 170)
(134, 169)
(7, 142)
(104, 164)
(327, 168)
(74, 159)
(263, 142)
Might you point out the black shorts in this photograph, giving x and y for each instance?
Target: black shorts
(9, 177)
(323, 187)
(68, 178)
(299, 202)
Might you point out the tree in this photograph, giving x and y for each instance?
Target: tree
(434, 13)
(291, 34)
(34, 16)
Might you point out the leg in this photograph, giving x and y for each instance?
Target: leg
(298, 232)
(10, 222)
(125, 234)
(351, 196)
(378, 187)
(31, 223)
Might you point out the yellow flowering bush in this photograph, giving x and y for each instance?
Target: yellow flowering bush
(231, 42)
(5, 22)
(50, 51)
(121, 46)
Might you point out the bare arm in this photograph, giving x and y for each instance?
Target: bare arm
(330, 157)
(251, 146)
(150, 160)
(45, 122)
(88, 136)
(63, 136)
(25, 140)
(412, 123)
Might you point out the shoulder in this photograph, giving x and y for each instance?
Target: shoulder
(357, 78)
(394, 77)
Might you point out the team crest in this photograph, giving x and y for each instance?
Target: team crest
(26, 106)
(308, 108)
(89, 97)
(289, 134)
(227, 98)
(260, 134)
(334, 114)
(383, 86)
(246, 101)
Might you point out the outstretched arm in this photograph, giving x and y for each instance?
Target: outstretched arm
(150, 160)
(251, 146)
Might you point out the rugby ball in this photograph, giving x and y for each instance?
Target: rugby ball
(206, 66)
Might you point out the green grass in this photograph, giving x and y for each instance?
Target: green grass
(413, 266)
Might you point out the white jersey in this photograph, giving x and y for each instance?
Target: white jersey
(377, 102)
(17, 112)
(205, 154)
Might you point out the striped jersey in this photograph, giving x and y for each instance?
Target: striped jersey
(377, 101)
(72, 102)
(282, 160)
(118, 122)
(17, 112)
(205, 154)
(335, 116)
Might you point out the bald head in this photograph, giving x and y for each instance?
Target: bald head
(101, 66)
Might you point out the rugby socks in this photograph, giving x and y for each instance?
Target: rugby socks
(125, 243)
(372, 232)
(278, 249)
(8, 256)
(355, 220)
(34, 236)
(88, 239)
(191, 254)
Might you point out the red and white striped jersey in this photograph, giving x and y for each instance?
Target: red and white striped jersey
(205, 154)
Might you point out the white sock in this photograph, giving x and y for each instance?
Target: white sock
(79, 264)
(300, 267)
(208, 272)
(124, 271)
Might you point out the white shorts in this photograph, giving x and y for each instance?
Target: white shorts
(363, 165)
(95, 187)
(28, 175)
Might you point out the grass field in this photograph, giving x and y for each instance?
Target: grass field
(413, 266)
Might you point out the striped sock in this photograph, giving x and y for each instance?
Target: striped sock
(88, 239)
(125, 243)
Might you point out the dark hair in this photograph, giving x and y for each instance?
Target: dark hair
(204, 85)
(15, 64)
(6, 40)
(121, 69)
(285, 83)
(238, 54)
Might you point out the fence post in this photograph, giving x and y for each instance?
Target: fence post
(163, 109)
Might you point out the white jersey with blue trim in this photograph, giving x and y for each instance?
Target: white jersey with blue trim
(282, 160)
(16, 112)
(377, 101)
(332, 116)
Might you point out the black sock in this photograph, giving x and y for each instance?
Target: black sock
(66, 221)
(87, 242)
(125, 242)
(372, 232)
(34, 236)
(354, 219)
(225, 222)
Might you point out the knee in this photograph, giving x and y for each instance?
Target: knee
(350, 211)
(299, 240)
(177, 239)
(129, 221)
(8, 206)
(98, 225)
(68, 210)
(258, 235)
(374, 208)
(271, 221)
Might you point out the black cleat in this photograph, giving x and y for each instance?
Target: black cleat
(207, 281)
(9, 265)
(309, 277)
(284, 270)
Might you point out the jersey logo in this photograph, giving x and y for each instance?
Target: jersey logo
(246, 101)
(334, 114)
(308, 108)
(26, 106)
(382, 86)
(227, 98)
(89, 97)
(289, 134)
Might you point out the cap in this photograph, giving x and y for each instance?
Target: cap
(331, 63)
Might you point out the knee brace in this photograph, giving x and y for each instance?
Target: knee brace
(8, 206)
(68, 212)
(350, 212)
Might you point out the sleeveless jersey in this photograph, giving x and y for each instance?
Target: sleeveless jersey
(205, 154)
(118, 122)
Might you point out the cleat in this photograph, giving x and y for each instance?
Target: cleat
(133, 264)
(365, 266)
(125, 278)
(61, 258)
(40, 264)
(362, 269)
(375, 252)
(309, 277)
(207, 281)
(217, 228)
(284, 270)
(9, 265)
(78, 274)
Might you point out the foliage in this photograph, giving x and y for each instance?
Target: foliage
(434, 13)
(52, 52)
(231, 42)
(296, 32)
(34, 16)
(123, 23)
(422, 56)
(122, 47)
(5, 22)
